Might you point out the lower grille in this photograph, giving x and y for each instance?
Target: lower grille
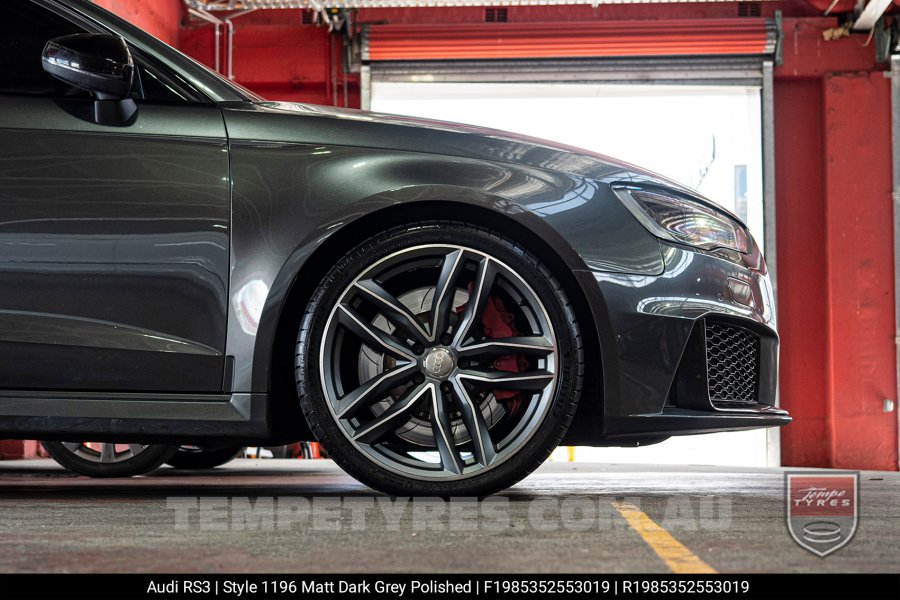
(732, 364)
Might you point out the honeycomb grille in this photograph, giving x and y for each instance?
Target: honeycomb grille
(732, 363)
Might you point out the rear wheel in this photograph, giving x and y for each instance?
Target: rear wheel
(105, 459)
(439, 358)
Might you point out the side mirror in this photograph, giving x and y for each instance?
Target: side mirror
(100, 64)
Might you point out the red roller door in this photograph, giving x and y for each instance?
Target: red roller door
(710, 37)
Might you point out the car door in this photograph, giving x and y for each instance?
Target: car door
(114, 239)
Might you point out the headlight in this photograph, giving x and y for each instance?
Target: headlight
(677, 219)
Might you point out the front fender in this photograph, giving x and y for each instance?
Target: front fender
(290, 199)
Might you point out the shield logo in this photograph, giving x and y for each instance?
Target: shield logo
(822, 509)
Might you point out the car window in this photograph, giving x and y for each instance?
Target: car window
(24, 29)
(155, 85)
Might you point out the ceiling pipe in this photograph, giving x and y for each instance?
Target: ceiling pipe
(833, 7)
(209, 18)
(228, 23)
(870, 14)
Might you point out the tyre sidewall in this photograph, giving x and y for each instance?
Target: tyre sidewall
(570, 361)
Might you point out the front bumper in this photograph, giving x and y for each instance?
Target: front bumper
(661, 374)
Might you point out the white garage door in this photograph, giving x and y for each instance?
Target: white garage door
(705, 136)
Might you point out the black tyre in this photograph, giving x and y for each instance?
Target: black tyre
(197, 457)
(439, 358)
(108, 459)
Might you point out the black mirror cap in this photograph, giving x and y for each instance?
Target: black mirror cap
(100, 64)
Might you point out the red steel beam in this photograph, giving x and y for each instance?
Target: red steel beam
(802, 285)
(860, 270)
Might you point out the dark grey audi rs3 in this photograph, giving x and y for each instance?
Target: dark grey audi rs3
(439, 305)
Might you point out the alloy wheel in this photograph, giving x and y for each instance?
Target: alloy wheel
(105, 452)
(438, 362)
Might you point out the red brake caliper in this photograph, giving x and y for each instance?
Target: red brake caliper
(497, 323)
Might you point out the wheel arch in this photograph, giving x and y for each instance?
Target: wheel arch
(274, 352)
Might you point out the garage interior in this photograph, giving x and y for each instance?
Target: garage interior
(785, 112)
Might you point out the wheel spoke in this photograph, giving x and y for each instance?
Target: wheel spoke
(508, 380)
(371, 335)
(443, 433)
(393, 310)
(390, 419)
(136, 449)
(512, 345)
(373, 389)
(107, 452)
(445, 291)
(482, 443)
(478, 297)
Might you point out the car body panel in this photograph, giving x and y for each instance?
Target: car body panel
(222, 234)
(651, 318)
(116, 242)
(290, 197)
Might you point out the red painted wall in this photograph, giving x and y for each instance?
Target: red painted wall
(161, 18)
(10, 449)
(279, 57)
(835, 258)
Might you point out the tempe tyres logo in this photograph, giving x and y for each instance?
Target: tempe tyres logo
(822, 509)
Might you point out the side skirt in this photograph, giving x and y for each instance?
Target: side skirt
(135, 417)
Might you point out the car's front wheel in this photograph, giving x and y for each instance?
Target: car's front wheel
(440, 358)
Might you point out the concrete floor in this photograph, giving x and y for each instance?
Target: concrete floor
(311, 517)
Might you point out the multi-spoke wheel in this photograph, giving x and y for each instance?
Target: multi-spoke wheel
(440, 358)
(106, 459)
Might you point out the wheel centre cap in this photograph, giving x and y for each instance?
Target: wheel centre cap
(438, 362)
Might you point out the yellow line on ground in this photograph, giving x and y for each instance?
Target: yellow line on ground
(675, 554)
